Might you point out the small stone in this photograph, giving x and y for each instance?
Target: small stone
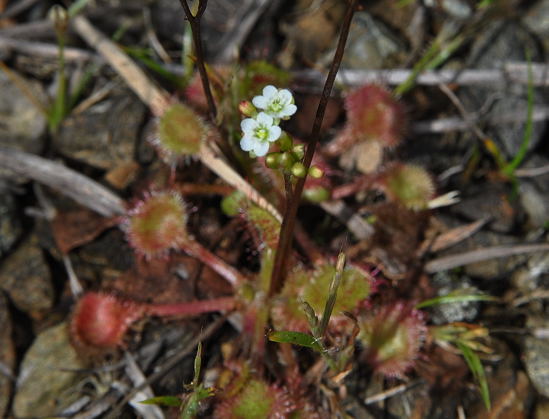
(536, 359)
(537, 20)
(7, 356)
(48, 375)
(22, 124)
(104, 135)
(10, 225)
(26, 278)
(458, 311)
(499, 43)
(371, 45)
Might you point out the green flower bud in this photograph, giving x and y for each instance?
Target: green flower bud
(272, 160)
(298, 170)
(315, 172)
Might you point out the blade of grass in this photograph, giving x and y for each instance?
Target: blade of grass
(510, 168)
(473, 361)
(295, 338)
(448, 299)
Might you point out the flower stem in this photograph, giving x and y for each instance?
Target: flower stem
(191, 308)
(194, 21)
(288, 223)
(195, 249)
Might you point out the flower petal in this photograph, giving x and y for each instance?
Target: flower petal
(261, 148)
(274, 133)
(263, 118)
(248, 124)
(285, 95)
(288, 110)
(260, 102)
(247, 143)
(269, 91)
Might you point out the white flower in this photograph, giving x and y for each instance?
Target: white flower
(259, 132)
(278, 103)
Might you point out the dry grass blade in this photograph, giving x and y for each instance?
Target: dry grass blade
(66, 181)
(452, 237)
(480, 255)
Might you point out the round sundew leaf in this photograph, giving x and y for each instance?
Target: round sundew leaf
(411, 185)
(180, 132)
(157, 224)
(354, 287)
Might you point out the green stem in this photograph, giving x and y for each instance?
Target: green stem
(288, 223)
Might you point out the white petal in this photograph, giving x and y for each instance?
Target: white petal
(247, 143)
(269, 91)
(260, 102)
(274, 133)
(248, 124)
(261, 148)
(285, 95)
(263, 118)
(289, 110)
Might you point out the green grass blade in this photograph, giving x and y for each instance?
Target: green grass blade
(295, 338)
(455, 298)
(509, 170)
(473, 361)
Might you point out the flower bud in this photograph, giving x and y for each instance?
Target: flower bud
(247, 109)
(316, 172)
(299, 151)
(272, 160)
(286, 160)
(298, 170)
(285, 142)
(60, 18)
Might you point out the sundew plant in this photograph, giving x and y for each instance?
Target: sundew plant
(291, 288)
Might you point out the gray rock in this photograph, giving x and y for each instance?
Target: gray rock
(536, 360)
(48, 376)
(7, 356)
(104, 135)
(10, 224)
(537, 19)
(22, 124)
(488, 200)
(534, 193)
(531, 277)
(371, 45)
(26, 278)
(499, 43)
(454, 312)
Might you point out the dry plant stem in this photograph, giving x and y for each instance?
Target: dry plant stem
(194, 21)
(511, 72)
(64, 180)
(196, 250)
(191, 308)
(480, 255)
(287, 228)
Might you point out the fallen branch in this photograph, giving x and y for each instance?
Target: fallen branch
(64, 180)
(511, 72)
(480, 255)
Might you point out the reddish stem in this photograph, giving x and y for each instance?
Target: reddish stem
(191, 308)
(288, 223)
(196, 250)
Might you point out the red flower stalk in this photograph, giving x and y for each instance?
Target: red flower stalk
(393, 337)
(101, 320)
